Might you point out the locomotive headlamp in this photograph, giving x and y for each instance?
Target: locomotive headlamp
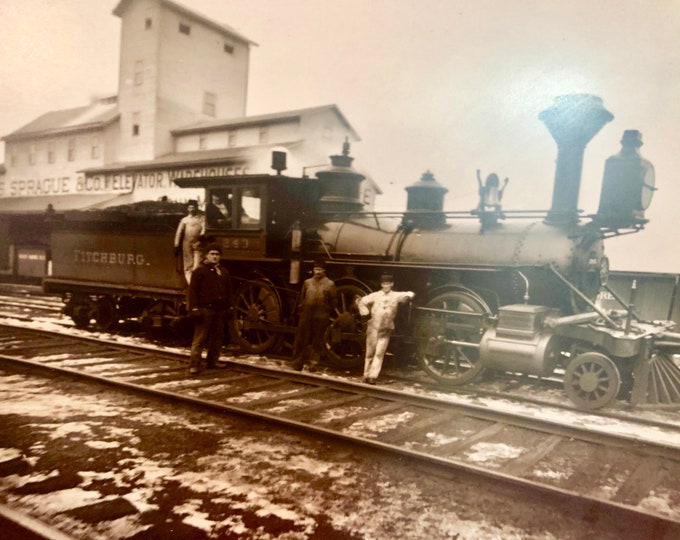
(627, 187)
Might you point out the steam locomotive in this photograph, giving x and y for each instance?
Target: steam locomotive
(495, 288)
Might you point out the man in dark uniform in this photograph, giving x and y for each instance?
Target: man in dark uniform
(318, 299)
(210, 301)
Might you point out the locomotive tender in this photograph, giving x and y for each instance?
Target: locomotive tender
(495, 289)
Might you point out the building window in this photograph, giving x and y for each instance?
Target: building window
(31, 155)
(12, 158)
(327, 132)
(264, 134)
(228, 47)
(71, 152)
(209, 104)
(148, 23)
(139, 72)
(50, 152)
(135, 124)
(95, 148)
(202, 142)
(232, 139)
(184, 28)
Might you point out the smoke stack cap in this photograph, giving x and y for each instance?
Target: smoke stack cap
(632, 137)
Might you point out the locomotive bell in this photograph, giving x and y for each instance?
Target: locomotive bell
(425, 204)
(627, 186)
(573, 121)
(340, 184)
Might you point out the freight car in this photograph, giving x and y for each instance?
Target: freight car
(495, 289)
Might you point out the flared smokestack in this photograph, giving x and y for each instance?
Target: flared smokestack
(573, 121)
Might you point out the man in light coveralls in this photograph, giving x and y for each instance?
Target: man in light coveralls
(382, 306)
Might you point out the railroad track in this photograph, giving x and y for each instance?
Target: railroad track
(26, 302)
(616, 474)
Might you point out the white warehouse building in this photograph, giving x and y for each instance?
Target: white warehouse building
(180, 111)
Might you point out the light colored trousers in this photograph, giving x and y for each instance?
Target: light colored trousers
(376, 345)
(196, 258)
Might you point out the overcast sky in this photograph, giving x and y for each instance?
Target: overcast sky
(446, 85)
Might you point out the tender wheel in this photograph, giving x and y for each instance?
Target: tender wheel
(81, 309)
(257, 316)
(592, 380)
(81, 318)
(346, 336)
(106, 313)
(451, 365)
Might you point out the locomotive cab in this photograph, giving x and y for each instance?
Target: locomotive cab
(250, 215)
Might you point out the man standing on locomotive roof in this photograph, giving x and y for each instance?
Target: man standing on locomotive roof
(382, 307)
(318, 299)
(210, 301)
(187, 239)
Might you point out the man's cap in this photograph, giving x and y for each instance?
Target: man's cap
(319, 263)
(192, 201)
(387, 278)
(214, 247)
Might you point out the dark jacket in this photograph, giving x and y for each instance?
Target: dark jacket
(318, 298)
(208, 289)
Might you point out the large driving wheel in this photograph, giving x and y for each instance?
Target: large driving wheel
(451, 364)
(592, 380)
(257, 316)
(346, 336)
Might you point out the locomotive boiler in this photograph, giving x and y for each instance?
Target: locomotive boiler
(511, 290)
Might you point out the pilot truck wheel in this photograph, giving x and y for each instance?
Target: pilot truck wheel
(592, 380)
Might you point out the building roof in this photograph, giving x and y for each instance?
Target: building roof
(93, 116)
(189, 13)
(200, 157)
(60, 203)
(204, 158)
(221, 124)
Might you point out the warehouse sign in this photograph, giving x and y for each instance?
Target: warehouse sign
(113, 182)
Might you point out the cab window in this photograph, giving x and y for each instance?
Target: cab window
(251, 203)
(238, 207)
(218, 210)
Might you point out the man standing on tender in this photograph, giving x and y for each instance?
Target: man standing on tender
(188, 239)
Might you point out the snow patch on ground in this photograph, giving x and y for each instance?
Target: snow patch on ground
(492, 454)
(372, 427)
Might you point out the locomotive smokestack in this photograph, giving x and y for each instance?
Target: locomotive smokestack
(573, 121)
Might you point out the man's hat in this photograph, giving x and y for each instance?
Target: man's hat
(319, 263)
(387, 278)
(192, 201)
(214, 247)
